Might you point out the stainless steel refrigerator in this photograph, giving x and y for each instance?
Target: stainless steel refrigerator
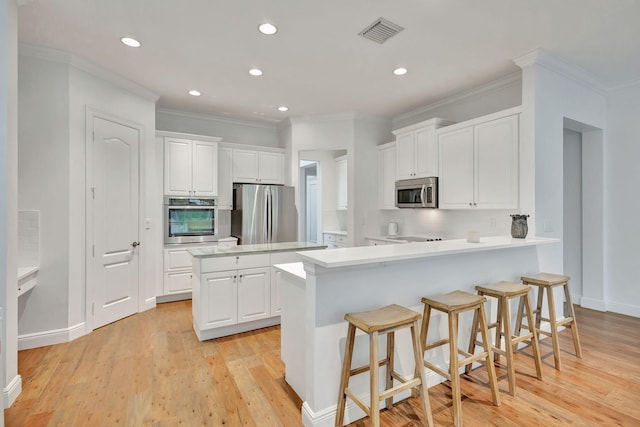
(263, 214)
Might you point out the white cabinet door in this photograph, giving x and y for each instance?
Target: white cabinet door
(254, 294)
(341, 166)
(219, 295)
(270, 168)
(204, 162)
(496, 151)
(456, 180)
(426, 152)
(177, 167)
(225, 178)
(177, 282)
(245, 166)
(405, 156)
(387, 177)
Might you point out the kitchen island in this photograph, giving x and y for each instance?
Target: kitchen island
(319, 290)
(235, 288)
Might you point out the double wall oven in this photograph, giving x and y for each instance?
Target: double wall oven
(190, 220)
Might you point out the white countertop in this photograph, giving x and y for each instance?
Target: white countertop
(339, 232)
(345, 257)
(294, 268)
(216, 251)
(26, 271)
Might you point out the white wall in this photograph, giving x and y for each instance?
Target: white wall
(572, 222)
(622, 201)
(57, 93)
(9, 378)
(237, 131)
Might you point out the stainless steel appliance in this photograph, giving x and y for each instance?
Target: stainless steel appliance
(263, 214)
(190, 220)
(417, 193)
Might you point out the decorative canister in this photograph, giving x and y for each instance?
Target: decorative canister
(519, 227)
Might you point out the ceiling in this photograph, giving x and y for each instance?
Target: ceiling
(316, 63)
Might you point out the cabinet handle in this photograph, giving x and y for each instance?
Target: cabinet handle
(470, 204)
(241, 278)
(475, 204)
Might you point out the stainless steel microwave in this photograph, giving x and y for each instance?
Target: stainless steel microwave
(417, 193)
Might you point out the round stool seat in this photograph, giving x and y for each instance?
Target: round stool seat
(379, 319)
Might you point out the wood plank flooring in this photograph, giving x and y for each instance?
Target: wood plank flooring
(150, 370)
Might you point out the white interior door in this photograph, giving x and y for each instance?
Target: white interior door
(114, 230)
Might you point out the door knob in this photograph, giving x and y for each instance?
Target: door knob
(135, 244)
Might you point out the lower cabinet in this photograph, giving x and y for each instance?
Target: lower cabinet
(335, 240)
(254, 293)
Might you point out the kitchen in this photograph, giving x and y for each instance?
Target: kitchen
(64, 301)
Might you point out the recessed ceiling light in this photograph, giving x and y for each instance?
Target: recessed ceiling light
(268, 29)
(194, 92)
(283, 108)
(130, 42)
(255, 72)
(400, 71)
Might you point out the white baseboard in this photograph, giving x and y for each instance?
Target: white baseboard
(626, 309)
(593, 304)
(56, 336)
(173, 297)
(149, 303)
(11, 391)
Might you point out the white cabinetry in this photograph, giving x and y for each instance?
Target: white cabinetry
(225, 178)
(264, 167)
(177, 271)
(190, 167)
(376, 242)
(342, 180)
(479, 163)
(417, 149)
(335, 240)
(387, 176)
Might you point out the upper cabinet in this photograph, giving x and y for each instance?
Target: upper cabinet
(341, 174)
(258, 167)
(190, 167)
(387, 176)
(225, 178)
(478, 163)
(417, 149)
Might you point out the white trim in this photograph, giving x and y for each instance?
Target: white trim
(214, 118)
(72, 60)
(593, 304)
(148, 304)
(11, 392)
(622, 308)
(624, 86)
(553, 63)
(181, 135)
(160, 299)
(55, 336)
(478, 90)
(483, 119)
(208, 334)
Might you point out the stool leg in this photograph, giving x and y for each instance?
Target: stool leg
(374, 407)
(472, 339)
(493, 381)
(538, 311)
(454, 369)
(534, 335)
(573, 324)
(499, 321)
(425, 328)
(344, 377)
(390, 365)
(508, 346)
(554, 328)
(419, 359)
(518, 327)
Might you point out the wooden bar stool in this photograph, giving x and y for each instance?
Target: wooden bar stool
(549, 281)
(505, 292)
(385, 320)
(453, 304)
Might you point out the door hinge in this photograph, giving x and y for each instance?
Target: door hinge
(93, 193)
(93, 135)
(93, 308)
(93, 250)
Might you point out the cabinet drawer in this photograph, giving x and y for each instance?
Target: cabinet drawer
(176, 259)
(235, 262)
(284, 257)
(329, 237)
(341, 239)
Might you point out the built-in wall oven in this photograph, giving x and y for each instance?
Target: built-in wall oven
(190, 220)
(417, 193)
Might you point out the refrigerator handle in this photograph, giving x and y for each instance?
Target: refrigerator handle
(268, 216)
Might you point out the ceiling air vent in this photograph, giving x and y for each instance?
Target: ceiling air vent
(380, 31)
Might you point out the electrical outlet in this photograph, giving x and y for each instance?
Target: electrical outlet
(147, 223)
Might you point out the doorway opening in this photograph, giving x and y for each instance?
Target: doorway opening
(309, 205)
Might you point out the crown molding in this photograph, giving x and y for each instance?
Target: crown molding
(553, 63)
(63, 57)
(214, 118)
(488, 87)
(624, 86)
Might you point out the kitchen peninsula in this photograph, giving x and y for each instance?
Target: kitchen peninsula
(317, 292)
(235, 288)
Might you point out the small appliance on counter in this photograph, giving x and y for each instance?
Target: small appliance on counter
(392, 228)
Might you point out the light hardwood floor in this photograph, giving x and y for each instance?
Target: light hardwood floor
(150, 370)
